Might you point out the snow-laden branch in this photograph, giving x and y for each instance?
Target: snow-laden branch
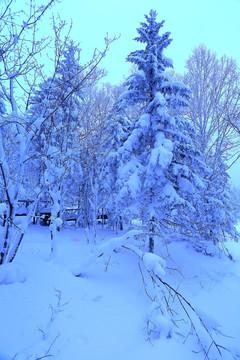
(105, 249)
(165, 313)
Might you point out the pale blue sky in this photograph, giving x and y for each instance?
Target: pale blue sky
(191, 22)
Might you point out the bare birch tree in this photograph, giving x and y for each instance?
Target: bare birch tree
(19, 77)
(20, 47)
(215, 98)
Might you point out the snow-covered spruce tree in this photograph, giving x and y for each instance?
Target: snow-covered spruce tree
(60, 142)
(56, 143)
(161, 169)
(216, 216)
(118, 130)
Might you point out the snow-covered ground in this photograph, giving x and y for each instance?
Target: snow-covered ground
(101, 315)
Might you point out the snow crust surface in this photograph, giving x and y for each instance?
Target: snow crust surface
(101, 315)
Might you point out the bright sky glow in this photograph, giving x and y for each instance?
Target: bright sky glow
(191, 22)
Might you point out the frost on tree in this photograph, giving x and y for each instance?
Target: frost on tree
(161, 171)
(213, 110)
(118, 130)
(56, 143)
(216, 219)
(18, 35)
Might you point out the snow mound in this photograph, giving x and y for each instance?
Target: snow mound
(105, 249)
(159, 325)
(154, 263)
(12, 273)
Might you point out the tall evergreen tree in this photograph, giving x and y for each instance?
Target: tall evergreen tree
(161, 169)
(118, 130)
(56, 143)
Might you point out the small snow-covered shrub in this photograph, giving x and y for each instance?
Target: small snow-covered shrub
(11, 273)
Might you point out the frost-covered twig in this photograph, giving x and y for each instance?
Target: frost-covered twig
(187, 307)
(55, 310)
(27, 353)
(47, 354)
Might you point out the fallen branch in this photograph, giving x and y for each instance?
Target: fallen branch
(161, 318)
(183, 302)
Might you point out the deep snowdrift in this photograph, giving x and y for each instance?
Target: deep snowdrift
(102, 314)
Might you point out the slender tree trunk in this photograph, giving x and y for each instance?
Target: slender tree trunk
(120, 223)
(55, 225)
(151, 236)
(12, 256)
